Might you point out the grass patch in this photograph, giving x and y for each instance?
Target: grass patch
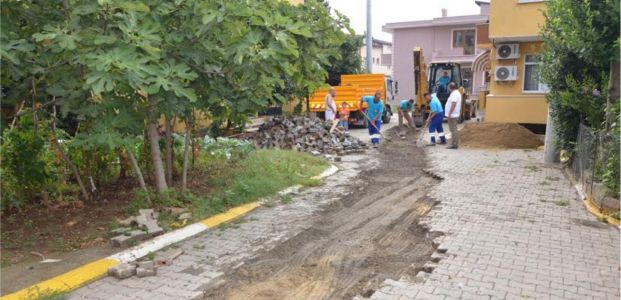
(312, 182)
(286, 199)
(260, 174)
(616, 215)
(49, 295)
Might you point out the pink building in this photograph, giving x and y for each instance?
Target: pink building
(442, 39)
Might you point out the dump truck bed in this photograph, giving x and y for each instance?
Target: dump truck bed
(368, 83)
(350, 94)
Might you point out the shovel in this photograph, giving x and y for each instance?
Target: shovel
(369, 119)
(422, 135)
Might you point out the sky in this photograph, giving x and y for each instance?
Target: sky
(389, 11)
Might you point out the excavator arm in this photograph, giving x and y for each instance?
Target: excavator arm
(420, 82)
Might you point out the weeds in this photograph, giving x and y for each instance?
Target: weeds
(552, 178)
(47, 295)
(562, 203)
(286, 199)
(532, 168)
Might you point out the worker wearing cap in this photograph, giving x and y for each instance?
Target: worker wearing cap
(406, 110)
(375, 109)
(434, 121)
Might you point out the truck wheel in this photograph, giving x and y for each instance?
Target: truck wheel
(386, 119)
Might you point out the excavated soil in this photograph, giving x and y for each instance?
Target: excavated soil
(498, 135)
(355, 244)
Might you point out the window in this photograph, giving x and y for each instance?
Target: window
(464, 38)
(532, 82)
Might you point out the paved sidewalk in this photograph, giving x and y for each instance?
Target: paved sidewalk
(515, 229)
(207, 255)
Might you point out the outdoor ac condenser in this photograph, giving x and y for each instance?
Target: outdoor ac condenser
(505, 73)
(508, 51)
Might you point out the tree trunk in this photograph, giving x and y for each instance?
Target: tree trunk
(35, 122)
(71, 165)
(143, 185)
(123, 166)
(186, 155)
(613, 93)
(169, 154)
(192, 142)
(156, 157)
(73, 168)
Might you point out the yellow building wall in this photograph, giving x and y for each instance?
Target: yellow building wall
(509, 18)
(529, 109)
(506, 101)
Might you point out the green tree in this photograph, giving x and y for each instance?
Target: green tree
(581, 67)
(349, 61)
(119, 65)
(581, 41)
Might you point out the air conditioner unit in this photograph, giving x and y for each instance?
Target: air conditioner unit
(508, 51)
(506, 73)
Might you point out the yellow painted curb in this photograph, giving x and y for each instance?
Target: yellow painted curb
(65, 282)
(97, 269)
(229, 215)
(595, 210)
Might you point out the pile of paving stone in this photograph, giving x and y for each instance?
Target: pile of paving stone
(306, 134)
(136, 228)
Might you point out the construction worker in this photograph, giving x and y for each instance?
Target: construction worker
(375, 109)
(444, 81)
(406, 110)
(330, 105)
(434, 121)
(452, 111)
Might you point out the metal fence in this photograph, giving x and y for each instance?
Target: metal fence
(593, 164)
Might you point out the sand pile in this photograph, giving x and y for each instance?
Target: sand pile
(498, 135)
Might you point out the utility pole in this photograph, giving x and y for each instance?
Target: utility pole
(369, 39)
(550, 152)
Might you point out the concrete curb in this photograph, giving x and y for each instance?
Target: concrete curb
(595, 210)
(590, 206)
(97, 269)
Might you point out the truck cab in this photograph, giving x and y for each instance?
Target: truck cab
(440, 75)
(435, 79)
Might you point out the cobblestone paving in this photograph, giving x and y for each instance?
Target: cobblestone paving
(208, 254)
(515, 229)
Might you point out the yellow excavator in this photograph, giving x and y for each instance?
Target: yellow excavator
(424, 83)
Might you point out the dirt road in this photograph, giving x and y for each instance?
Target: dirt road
(366, 237)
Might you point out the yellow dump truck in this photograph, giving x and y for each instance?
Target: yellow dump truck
(352, 88)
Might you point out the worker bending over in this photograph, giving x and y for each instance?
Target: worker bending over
(406, 110)
(434, 121)
(375, 109)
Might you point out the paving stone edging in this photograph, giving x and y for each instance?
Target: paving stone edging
(97, 269)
